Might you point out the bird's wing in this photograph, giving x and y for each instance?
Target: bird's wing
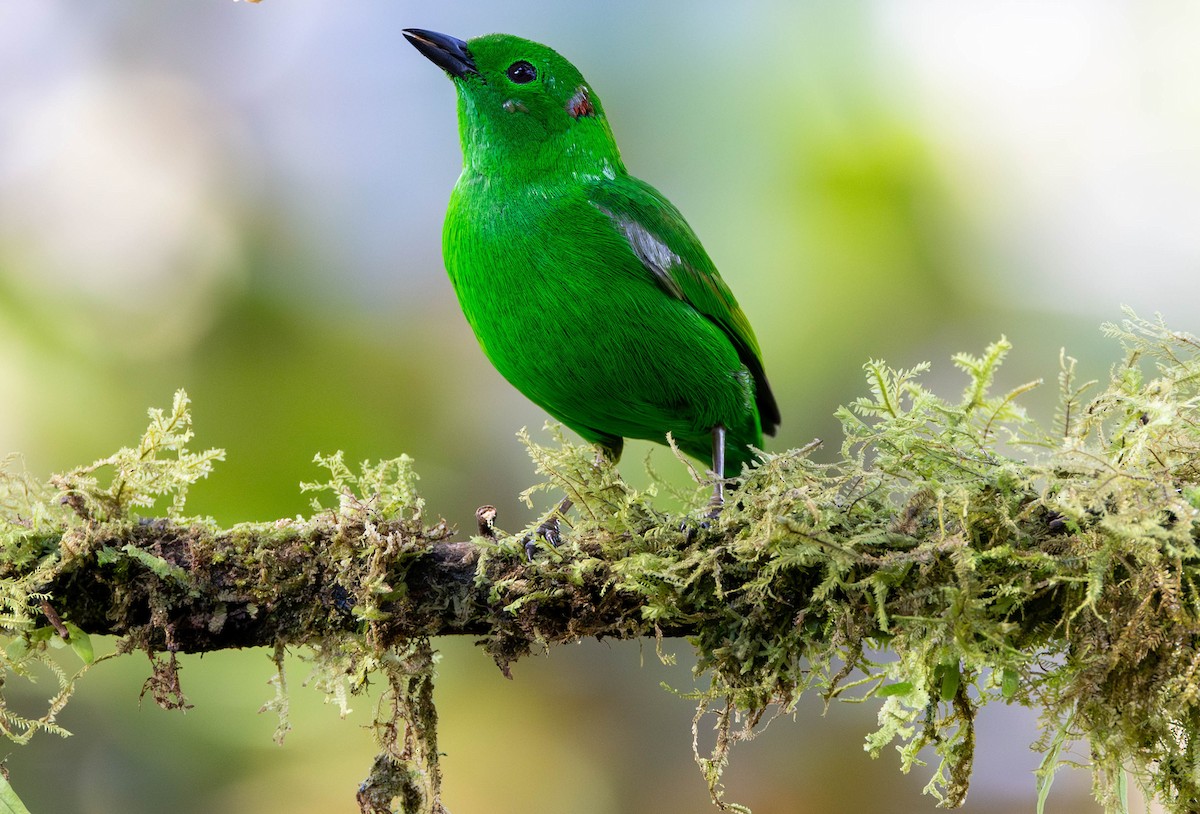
(669, 250)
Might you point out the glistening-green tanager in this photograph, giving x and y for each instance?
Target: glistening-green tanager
(585, 287)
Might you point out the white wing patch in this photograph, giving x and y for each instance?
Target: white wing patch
(649, 248)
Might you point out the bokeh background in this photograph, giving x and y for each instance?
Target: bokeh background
(246, 201)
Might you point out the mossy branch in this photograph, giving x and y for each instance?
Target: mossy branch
(994, 560)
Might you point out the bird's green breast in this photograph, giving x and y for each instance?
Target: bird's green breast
(565, 310)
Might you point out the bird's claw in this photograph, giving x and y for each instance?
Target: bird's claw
(548, 531)
(691, 530)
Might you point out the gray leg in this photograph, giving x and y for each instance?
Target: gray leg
(718, 468)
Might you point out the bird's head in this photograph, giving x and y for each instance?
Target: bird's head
(523, 110)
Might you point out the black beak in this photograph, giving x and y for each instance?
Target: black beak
(448, 53)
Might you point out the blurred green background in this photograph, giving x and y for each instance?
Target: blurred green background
(246, 201)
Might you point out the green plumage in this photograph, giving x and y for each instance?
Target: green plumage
(585, 287)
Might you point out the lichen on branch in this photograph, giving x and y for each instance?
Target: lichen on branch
(956, 553)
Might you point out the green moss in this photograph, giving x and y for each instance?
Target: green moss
(996, 559)
(992, 559)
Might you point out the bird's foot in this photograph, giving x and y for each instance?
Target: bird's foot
(691, 529)
(548, 531)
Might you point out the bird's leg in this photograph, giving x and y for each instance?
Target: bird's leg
(717, 502)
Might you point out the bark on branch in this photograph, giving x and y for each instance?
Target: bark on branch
(189, 587)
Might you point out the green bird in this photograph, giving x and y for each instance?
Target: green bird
(584, 285)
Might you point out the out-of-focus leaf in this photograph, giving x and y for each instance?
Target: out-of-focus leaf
(10, 803)
(81, 643)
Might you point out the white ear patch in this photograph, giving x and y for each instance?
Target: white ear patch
(581, 103)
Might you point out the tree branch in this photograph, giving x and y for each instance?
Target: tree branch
(1065, 575)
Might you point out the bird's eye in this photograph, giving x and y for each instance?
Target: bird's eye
(521, 72)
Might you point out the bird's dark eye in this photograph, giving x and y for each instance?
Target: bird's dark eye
(521, 72)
